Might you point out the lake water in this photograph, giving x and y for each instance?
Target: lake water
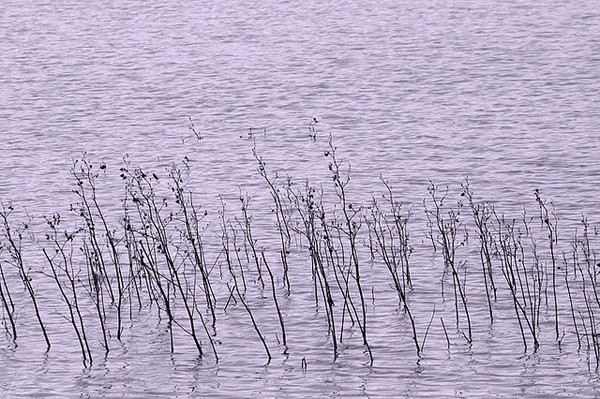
(505, 93)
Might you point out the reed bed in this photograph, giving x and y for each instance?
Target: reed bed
(155, 254)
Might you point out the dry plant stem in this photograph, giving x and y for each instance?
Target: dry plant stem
(588, 276)
(67, 300)
(550, 225)
(141, 190)
(275, 299)
(191, 221)
(595, 343)
(593, 331)
(246, 227)
(400, 223)
(210, 340)
(310, 214)
(587, 337)
(446, 228)
(14, 249)
(237, 252)
(231, 297)
(482, 214)
(134, 275)
(319, 255)
(282, 219)
(9, 307)
(243, 301)
(427, 330)
(193, 129)
(335, 262)
(506, 242)
(532, 279)
(157, 281)
(566, 263)
(96, 279)
(226, 249)
(166, 267)
(114, 254)
(72, 303)
(445, 332)
(95, 290)
(94, 248)
(322, 255)
(336, 245)
(64, 265)
(179, 284)
(92, 213)
(160, 233)
(516, 274)
(538, 274)
(135, 272)
(589, 258)
(351, 230)
(380, 229)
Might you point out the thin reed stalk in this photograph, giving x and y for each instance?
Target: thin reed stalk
(391, 244)
(525, 283)
(482, 214)
(351, 226)
(8, 305)
(312, 217)
(191, 219)
(281, 217)
(61, 265)
(279, 315)
(158, 228)
(444, 231)
(90, 210)
(13, 244)
(549, 221)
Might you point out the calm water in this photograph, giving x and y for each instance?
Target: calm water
(505, 93)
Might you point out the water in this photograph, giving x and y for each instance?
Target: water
(502, 93)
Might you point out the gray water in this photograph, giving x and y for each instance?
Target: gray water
(502, 92)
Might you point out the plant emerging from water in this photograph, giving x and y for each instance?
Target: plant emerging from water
(448, 232)
(13, 244)
(156, 253)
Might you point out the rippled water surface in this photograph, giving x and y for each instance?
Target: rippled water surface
(505, 93)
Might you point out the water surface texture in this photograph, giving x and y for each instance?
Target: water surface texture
(505, 93)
